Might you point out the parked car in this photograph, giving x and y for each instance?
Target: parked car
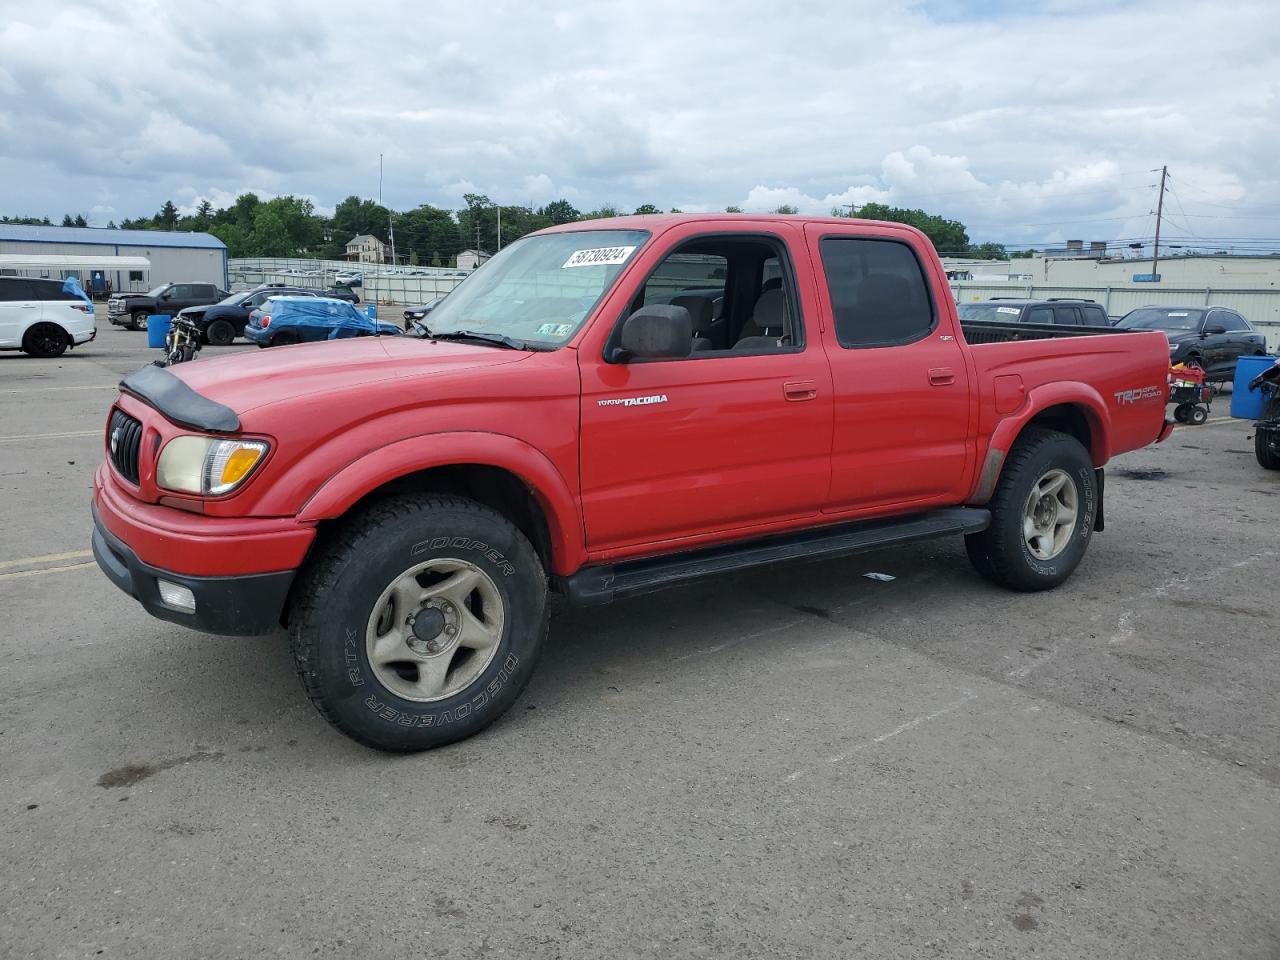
(44, 318)
(133, 310)
(291, 319)
(225, 320)
(1212, 337)
(406, 504)
(419, 314)
(349, 278)
(1074, 313)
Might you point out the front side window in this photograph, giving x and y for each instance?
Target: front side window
(738, 291)
(540, 289)
(878, 293)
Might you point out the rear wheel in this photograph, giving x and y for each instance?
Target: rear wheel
(220, 333)
(1268, 456)
(283, 339)
(139, 320)
(1198, 415)
(1041, 514)
(420, 622)
(45, 340)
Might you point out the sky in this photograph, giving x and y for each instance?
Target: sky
(1031, 122)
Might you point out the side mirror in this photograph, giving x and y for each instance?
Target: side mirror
(656, 332)
(1214, 330)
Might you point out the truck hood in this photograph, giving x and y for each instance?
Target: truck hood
(248, 380)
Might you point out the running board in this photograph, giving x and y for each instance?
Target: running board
(597, 585)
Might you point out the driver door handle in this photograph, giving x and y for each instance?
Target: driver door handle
(798, 390)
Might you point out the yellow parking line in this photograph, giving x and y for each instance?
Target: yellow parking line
(100, 386)
(36, 573)
(52, 436)
(47, 558)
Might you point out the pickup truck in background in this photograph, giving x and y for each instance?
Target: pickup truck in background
(607, 408)
(133, 310)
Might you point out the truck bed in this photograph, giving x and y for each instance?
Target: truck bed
(977, 332)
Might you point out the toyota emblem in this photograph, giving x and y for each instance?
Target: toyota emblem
(115, 440)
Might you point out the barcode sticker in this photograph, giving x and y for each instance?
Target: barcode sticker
(598, 257)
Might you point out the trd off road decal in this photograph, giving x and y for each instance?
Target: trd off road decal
(1138, 394)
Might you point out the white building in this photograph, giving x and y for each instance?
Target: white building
(174, 257)
(366, 248)
(470, 259)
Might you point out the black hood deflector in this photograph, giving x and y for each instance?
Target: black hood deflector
(177, 401)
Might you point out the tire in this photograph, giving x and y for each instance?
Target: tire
(138, 321)
(283, 340)
(1197, 415)
(220, 333)
(366, 669)
(45, 341)
(1003, 552)
(1268, 459)
(1181, 412)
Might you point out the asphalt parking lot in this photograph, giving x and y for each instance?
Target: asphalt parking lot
(800, 762)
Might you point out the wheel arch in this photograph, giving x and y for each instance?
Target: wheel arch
(498, 471)
(1074, 408)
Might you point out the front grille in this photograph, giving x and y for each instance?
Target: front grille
(124, 439)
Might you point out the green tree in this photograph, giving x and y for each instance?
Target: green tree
(947, 236)
(560, 211)
(645, 208)
(787, 209)
(426, 230)
(1022, 255)
(603, 213)
(67, 221)
(111, 225)
(732, 209)
(167, 218)
(988, 251)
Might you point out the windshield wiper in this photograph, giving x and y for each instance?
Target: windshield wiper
(497, 339)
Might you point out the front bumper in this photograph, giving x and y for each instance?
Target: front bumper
(234, 606)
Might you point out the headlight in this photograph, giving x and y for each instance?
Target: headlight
(206, 465)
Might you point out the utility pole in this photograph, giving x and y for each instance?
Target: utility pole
(1155, 253)
(499, 227)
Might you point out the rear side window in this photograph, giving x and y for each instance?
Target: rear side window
(1040, 315)
(12, 288)
(1066, 315)
(1094, 316)
(878, 293)
(1233, 321)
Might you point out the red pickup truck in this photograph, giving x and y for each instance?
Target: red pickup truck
(604, 409)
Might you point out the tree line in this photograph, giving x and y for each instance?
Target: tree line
(426, 235)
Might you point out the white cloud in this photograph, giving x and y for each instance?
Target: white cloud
(1021, 122)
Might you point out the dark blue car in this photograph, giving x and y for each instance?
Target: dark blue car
(284, 320)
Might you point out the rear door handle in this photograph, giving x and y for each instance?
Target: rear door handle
(941, 376)
(797, 390)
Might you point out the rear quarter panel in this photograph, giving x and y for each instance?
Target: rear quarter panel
(1118, 380)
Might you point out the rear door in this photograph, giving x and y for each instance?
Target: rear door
(900, 378)
(1066, 315)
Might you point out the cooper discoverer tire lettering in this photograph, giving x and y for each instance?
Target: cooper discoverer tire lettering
(1042, 514)
(419, 622)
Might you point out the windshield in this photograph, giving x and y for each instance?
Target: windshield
(156, 291)
(1161, 318)
(990, 312)
(540, 289)
(234, 298)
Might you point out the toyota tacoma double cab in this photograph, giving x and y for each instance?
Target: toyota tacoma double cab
(607, 408)
(134, 310)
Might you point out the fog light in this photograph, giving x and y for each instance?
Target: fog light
(177, 597)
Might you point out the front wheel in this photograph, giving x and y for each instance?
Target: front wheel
(139, 320)
(1041, 514)
(45, 341)
(420, 622)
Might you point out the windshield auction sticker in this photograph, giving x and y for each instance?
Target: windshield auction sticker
(598, 257)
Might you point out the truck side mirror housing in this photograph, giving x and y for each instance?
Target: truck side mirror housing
(656, 332)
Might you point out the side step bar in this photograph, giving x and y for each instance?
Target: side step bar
(597, 585)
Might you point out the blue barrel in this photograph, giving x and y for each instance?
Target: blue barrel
(1245, 403)
(158, 329)
(371, 311)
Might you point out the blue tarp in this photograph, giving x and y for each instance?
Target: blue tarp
(72, 286)
(340, 318)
